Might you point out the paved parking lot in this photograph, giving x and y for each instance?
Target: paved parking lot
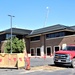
(41, 61)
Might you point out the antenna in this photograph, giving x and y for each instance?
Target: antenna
(47, 12)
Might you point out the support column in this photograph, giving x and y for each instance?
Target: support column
(42, 45)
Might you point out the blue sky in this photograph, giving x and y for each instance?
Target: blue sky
(31, 14)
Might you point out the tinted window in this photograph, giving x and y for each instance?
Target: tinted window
(9, 36)
(35, 38)
(70, 48)
(52, 35)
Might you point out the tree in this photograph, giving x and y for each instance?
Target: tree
(17, 45)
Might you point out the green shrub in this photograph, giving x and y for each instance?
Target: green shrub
(17, 45)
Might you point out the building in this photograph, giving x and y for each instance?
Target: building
(47, 40)
(6, 34)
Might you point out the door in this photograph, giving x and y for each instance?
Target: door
(48, 51)
(32, 52)
(38, 52)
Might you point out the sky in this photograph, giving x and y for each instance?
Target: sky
(35, 14)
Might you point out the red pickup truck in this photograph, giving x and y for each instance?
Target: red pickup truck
(65, 56)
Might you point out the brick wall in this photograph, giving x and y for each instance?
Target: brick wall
(52, 42)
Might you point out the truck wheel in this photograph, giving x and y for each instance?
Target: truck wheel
(73, 63)
(56, 64)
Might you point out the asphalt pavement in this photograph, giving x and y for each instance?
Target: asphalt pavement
(41, 61)
(66, 71)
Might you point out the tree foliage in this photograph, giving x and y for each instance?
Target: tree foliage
(17, 45)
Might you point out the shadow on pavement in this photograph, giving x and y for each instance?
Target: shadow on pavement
(61, 66)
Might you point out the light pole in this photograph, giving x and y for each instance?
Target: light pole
(11, 29)
(47, 8)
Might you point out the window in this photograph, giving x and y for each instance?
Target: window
(32, 52)
(38, 53)
(56, 48)
(69, 48)
(48, 51)
(35, 38)
(9, 36)
(52, 35)
(62, 33)
(57, 34)
(48, 36)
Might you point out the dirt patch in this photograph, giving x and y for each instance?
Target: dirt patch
(47, 67)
